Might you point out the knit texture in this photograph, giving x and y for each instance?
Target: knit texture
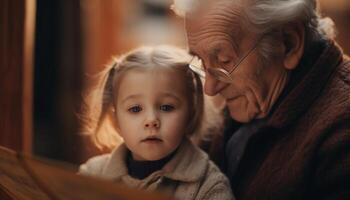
(303, 151)
(188, 175)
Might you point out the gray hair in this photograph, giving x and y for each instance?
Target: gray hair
(264, 16)
(98, 105)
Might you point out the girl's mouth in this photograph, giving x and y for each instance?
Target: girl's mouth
(152, 139)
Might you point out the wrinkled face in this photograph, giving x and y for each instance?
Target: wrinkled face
(152, 111)
(215, 37)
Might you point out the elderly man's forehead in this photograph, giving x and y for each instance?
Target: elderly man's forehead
(214, 7)
(217, 12)
(218, 18)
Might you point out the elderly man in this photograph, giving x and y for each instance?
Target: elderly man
(286, 85)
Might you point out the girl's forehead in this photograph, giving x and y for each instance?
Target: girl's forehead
(153, 78)
(158, 71)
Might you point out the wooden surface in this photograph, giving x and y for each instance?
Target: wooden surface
(25, 177)
(57, 84)
(15, 67)
(339, 12)
(101, 26)
(339, 5)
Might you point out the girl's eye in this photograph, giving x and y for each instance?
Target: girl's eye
(135, 109)
(167, 108)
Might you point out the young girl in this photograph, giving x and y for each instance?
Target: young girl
(155, 102)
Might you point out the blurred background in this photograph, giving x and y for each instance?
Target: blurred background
(49, 48)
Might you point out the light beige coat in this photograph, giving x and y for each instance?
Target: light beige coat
(188, 175)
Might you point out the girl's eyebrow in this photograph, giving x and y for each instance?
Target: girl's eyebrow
(165, 94)
(133, 96)
(171, 95)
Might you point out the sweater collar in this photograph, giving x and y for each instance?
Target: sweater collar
(306, 83)
(141, 169)
(189, 164)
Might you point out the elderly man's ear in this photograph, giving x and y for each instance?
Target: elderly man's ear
(293, 41)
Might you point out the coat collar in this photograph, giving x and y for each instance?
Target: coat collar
(306, 83)
(189, 164)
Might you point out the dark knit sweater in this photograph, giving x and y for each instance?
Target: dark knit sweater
(142, 169)
(302, 151)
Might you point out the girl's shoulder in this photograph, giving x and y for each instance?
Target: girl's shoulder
(108, 166)
(200, 176)
(95, 165)
(214, 174)
(215, 184)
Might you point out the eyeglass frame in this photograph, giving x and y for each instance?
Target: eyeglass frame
(214, 71)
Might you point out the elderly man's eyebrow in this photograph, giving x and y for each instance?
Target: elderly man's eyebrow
(214, 52)
(192, 52)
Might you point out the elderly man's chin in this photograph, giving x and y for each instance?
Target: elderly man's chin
(244, 112)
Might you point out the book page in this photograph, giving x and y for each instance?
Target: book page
(15, 180)
(61, 183)
(24, 177)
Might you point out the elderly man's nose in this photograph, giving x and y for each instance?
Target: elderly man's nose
(211, 85)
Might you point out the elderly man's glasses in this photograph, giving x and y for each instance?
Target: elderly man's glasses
(218, 73)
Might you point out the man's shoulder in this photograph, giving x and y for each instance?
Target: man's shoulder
(329, 116)
(343, 72)
(334, 101)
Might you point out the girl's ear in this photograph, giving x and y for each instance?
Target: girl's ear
(293, 36)
(113, 116)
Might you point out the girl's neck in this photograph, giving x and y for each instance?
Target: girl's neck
(142, 169)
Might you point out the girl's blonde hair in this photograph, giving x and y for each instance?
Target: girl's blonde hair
(98, 103)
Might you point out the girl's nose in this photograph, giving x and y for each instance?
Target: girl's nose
(153, 123)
